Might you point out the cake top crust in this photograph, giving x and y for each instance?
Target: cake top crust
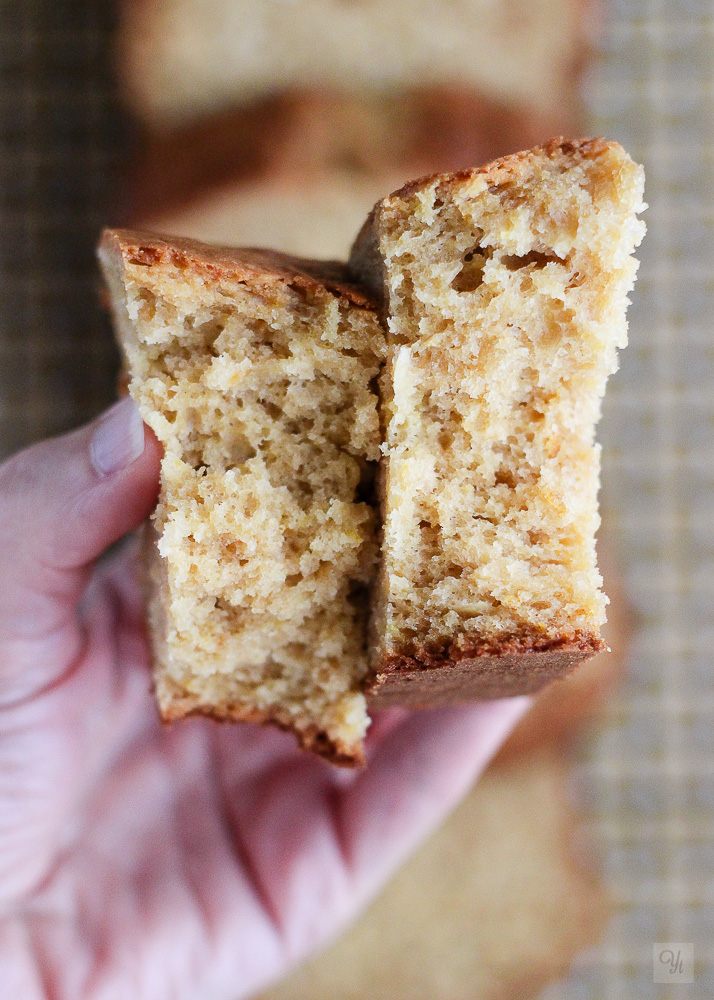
(511, 170)
(251, 266)
(505, 169)
(515, 165)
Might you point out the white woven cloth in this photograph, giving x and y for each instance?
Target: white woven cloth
(649, 776)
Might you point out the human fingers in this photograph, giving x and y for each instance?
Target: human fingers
(415, 776)
(62, 503)
(318, 843)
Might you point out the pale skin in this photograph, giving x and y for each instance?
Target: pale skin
(181, 863)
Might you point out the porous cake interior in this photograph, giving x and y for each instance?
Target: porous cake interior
(262, 398)
(506, 293)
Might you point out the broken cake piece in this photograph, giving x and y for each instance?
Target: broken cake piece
(257, 374)
(504, 293)
(468, 344)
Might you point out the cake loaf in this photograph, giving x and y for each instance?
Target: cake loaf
(504, 293)
(180, 60)
(257, 374)
(300, 170)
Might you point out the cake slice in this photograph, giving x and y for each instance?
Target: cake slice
(504, 291)
(503, 294)
(257, 373)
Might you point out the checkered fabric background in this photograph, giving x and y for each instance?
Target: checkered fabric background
(649, 776)
(60, 140)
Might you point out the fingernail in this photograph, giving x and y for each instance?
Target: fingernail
(118, 439)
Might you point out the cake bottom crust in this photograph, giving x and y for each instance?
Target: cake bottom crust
(422, 680)
(311, 738)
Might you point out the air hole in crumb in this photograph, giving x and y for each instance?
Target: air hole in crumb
(482, 517)
(470, 277)
(576, 280)
(293, 579)
(445, 438)
(514, 262)
(281, 351)
(430, 539)
(147, 305)
(240, 451)
(272, 409)
(504, 477)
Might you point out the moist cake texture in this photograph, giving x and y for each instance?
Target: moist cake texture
(504, 291)
(257, 374)
(275, 388)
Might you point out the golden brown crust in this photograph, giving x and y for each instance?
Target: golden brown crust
(251, 266)
(443, 654)
(404, 680)
(508, 169)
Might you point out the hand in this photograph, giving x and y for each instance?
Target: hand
(197, 861)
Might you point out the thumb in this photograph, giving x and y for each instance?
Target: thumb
(62, 503)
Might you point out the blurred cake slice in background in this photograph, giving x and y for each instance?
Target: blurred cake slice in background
(500, 902)
(495, 905)
(182, 59)
(302, 169)
(275, 123)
